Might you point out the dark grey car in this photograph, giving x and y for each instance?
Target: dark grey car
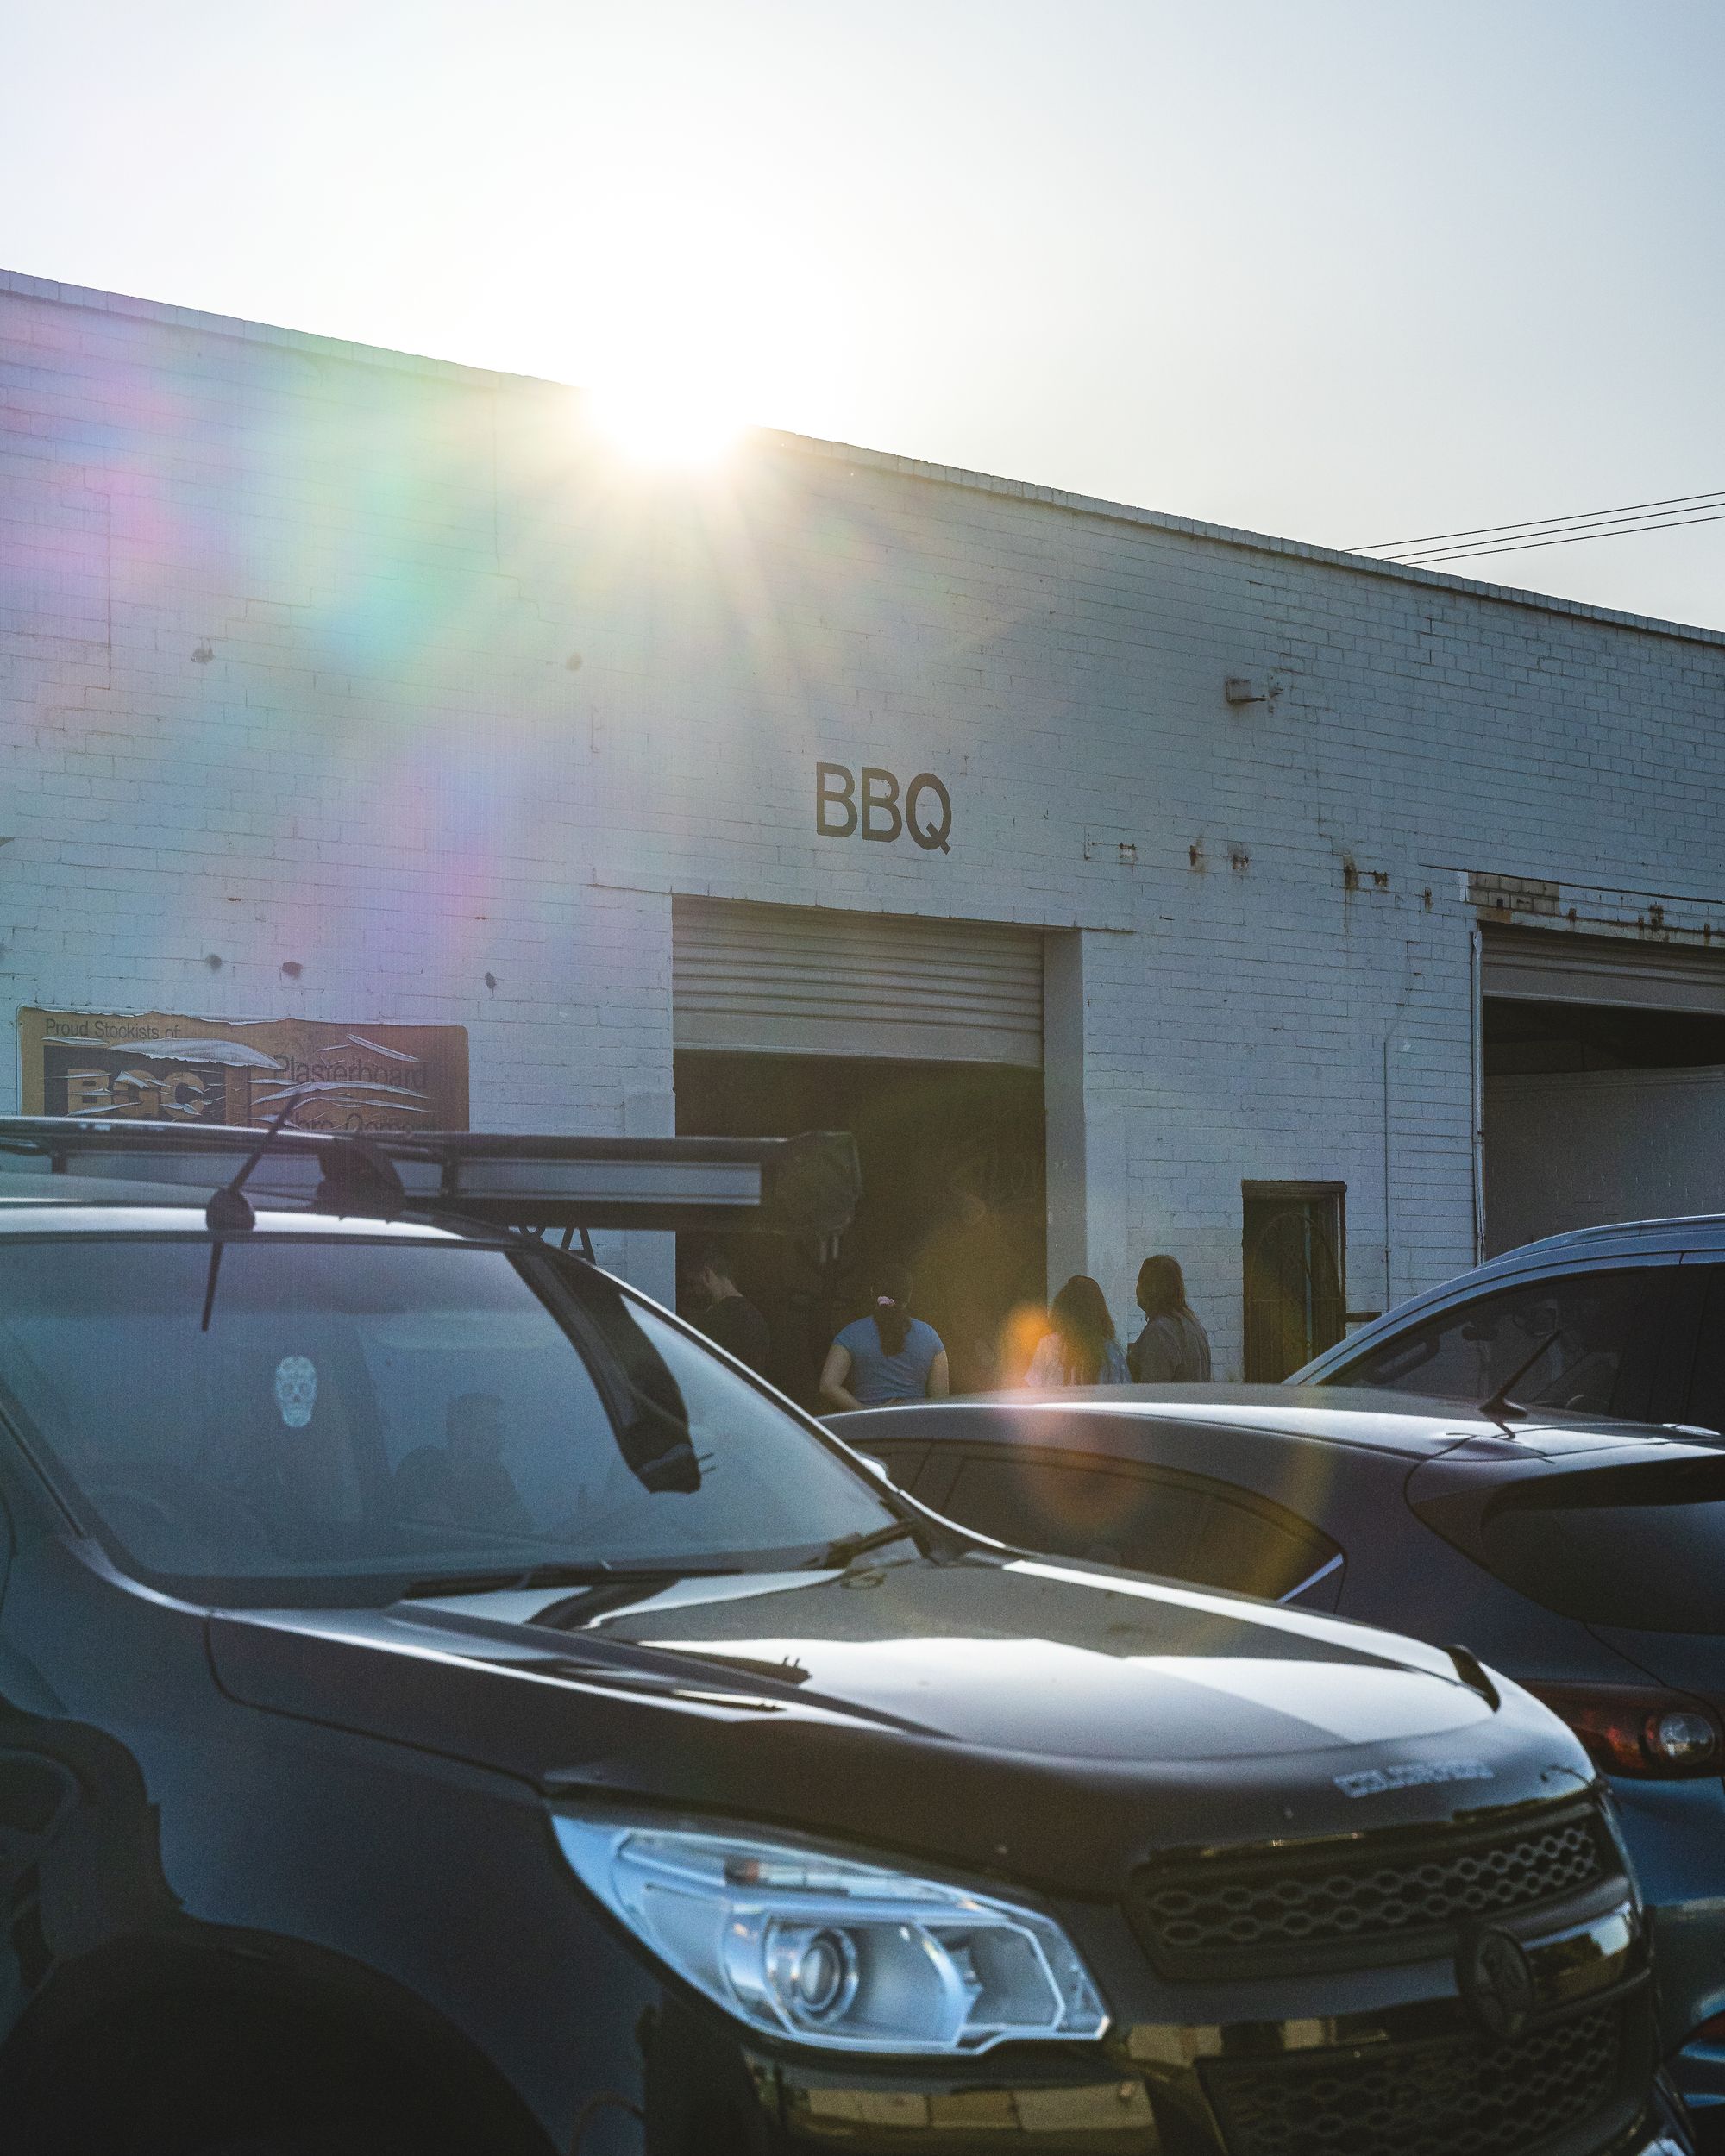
(1585, 1560)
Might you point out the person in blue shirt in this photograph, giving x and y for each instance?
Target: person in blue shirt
(887, 1356)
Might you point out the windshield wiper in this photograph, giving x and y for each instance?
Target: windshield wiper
(538, 1575)
(229, 1210)
(598, 1573)
(848, 1548)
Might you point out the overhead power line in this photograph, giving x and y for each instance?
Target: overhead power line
(1669, 514)
(1468, 554)
(1576, 516)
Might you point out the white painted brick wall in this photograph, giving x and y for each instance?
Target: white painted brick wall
(385, 770)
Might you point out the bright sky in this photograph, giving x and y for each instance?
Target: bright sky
(1349, 269)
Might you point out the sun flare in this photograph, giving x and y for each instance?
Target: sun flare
(662, 419)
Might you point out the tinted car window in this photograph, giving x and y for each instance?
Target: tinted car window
(1707, 1377)
(1252, 1554)
(1182, 1527)
(356, 1409)
(1640, 1547)
(901, 1460)
(1585, 1342)
(1111, 1516)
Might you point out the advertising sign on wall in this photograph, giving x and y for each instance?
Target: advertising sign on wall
(162, 1067)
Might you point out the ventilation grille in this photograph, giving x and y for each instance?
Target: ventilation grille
(1457, 2097)
(1221, 1917)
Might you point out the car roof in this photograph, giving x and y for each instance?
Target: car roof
(122, 1215)
(35, 1186)
(1682, 1226)
(1553, 1253)
(1104, 1418)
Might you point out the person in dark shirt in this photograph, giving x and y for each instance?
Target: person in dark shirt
(463, 1481)
(727, 1315)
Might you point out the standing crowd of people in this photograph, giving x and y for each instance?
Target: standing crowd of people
(890, 1355)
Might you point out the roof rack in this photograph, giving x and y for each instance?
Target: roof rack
(806, 1186)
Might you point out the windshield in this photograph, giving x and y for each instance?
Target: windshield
(368, 1414)
(1581, 1343)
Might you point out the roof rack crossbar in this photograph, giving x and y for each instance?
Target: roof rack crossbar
(806, 1186)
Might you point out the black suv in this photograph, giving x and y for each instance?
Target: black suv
(448, 1707)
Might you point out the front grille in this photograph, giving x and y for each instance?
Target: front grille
(1383, 1898)
(1461, 2096)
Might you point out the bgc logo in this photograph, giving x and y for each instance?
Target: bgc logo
(876, 809)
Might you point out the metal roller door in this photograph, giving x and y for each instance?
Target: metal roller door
(1524, 966)
(790, 981)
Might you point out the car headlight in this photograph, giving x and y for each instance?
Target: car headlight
(823, 1950)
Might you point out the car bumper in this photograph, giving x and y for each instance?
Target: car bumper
(1379, 2058)
(1676, 1835)
(1100, 2108)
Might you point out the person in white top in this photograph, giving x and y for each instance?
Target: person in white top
(1081, 1349)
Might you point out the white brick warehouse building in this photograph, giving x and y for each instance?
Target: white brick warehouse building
(364, 691)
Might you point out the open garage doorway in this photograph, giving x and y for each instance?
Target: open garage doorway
(1604, 1083)
(952, 1188)
(924, 1038)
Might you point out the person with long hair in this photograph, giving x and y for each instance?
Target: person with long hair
(1081, 1349)
(1173, 1348)
(887, 1356)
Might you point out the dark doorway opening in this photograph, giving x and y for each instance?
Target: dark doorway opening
(1534, 1039)
(1596, 1113)
(1296, 1301)
(953, 1186)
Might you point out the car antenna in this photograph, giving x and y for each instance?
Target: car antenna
(1498, 1407)
(229, 1211)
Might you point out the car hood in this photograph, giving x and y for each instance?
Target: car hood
(960, 1702)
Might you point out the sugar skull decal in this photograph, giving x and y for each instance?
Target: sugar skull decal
(296, 1389)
